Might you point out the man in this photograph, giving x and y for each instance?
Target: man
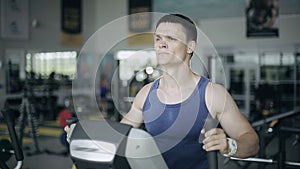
(174, 107)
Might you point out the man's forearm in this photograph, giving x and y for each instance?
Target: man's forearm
(248, 145)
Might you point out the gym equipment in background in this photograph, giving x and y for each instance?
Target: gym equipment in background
(267, 132)
(16, 147)
(27, 110)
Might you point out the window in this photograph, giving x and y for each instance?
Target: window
(44, 63)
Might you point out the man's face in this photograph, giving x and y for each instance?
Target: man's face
(170, 43)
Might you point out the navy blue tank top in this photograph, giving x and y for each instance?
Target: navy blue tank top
(176, 127)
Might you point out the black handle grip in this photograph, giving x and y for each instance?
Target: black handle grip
(212, 156)
(71, 120)
(10, 122)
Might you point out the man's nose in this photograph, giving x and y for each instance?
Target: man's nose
(162, 44)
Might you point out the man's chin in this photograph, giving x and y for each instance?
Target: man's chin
(163, 62)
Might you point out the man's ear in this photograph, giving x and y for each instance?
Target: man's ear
(191, 46)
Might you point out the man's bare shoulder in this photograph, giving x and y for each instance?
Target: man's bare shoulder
(215, 90)
(142, 95)
(145, 89)
(214, 87)
(215, 97)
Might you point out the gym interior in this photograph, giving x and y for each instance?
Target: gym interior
(88, 59)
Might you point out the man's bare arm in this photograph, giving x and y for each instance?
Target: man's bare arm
(135, 116)
(232, 121)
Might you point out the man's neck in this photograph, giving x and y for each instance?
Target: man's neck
(178, 77)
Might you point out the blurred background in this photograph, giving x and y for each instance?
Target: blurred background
(254, 52)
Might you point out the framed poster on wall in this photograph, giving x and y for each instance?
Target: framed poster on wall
(262, 18)
(140, 22)
(15, 19)
(71, 22)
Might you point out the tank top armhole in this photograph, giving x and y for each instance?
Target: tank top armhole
(154, 86)
(206, 83)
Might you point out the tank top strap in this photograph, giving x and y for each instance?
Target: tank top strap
(202, 85)
(155, 84)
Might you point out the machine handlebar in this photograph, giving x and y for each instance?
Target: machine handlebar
(7, 114)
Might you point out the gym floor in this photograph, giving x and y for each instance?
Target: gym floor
(49, 139)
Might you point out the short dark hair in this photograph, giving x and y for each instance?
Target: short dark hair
(186, 22)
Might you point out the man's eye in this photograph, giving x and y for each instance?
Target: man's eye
(173, 39)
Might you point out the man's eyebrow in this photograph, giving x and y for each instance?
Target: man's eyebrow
(158, 35)
(162, 35)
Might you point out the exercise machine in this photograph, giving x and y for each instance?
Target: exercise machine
(15, 148)
(280, 162)
(112, 145)
(267, 133)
